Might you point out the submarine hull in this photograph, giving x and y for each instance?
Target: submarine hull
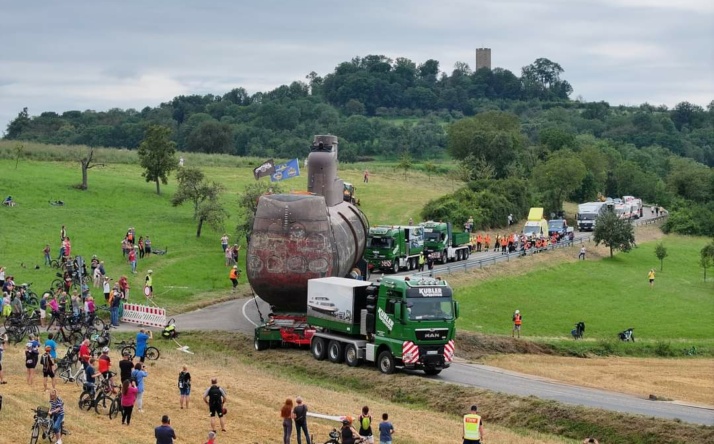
(297, 237)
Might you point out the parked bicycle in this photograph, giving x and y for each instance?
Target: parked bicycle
(152, 353)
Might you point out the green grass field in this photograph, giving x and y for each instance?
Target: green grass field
(119, 198)
(609, 295)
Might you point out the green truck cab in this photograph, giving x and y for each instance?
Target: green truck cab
(393, 247)
(401, 321)
(443, 244)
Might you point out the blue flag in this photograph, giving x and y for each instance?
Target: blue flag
(286, 171)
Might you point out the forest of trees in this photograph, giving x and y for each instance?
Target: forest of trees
(507, 132)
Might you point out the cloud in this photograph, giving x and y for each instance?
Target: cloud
(81, 54)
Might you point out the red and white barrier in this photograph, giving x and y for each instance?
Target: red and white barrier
(144, 315)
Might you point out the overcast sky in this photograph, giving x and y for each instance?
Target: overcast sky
(94, 54)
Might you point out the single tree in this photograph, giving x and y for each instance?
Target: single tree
(204, 195)
(614, 233)
(405, 163)
(156, 154)
(706, 258)
(430, 168)
(19, 151)
(212, 213)
(86, 163)
(661, 253)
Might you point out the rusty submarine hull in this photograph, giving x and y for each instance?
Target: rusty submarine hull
(301, 236)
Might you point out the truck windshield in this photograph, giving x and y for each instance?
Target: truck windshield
(432, 237)
(429, 308)
(531, 229)
(587, 216)
(380, 242)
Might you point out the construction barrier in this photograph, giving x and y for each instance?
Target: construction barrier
(144, 315)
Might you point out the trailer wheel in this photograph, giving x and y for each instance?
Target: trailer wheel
(334, 351)
(386, 362)
(431, 371)
(352, 356)
(318, 349)
(260, 345)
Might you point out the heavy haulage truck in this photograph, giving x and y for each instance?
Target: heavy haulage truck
(443, 244)
(396, 322)
(392, 247)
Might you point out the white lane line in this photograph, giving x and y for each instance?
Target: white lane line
(244, 313)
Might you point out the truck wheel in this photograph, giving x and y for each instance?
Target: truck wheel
(352, 356)
(334, 351)
(467, 253)
(260, 345)
(386, 363)
(395, 267)
(444, 257)
(318, 349)
(431, 371)
(458, 255)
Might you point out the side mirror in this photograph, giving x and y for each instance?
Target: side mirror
(456, 309)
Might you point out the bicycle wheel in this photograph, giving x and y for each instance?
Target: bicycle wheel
(35, 434)
(103, 404)
(54, 263)
(16, 335)
(56, 284)
(130, 350)
(66, 374)
(49, 432)
(35, 330)
(115, 408)
(80, 378)
(98, 323)
(32, 298)
(85, 401)
(152, 353)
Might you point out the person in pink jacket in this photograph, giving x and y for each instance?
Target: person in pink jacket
(128, 398)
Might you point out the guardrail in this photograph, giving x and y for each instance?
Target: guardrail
(459, 267)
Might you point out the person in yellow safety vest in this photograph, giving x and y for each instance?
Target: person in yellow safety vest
(422, 261)
(517, 321)
(149, 284)
(473, 427)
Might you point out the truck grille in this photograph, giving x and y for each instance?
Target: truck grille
(432, 334)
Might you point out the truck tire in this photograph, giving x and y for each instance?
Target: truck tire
(335, 351)
(386, 362)
(260, 345)
(458, 256)
(395, 267)
(467, 253)
(319, 351)
(431, 371)
(352, 356)
(444, 257)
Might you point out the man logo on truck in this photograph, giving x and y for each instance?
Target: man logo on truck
(386, 320)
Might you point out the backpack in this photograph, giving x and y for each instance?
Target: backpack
(184, 380)
(365, 422)
(215, 397)
(300, 412)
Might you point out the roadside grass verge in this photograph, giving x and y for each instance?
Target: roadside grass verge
(609, 295)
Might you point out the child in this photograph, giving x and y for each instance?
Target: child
(386, 430)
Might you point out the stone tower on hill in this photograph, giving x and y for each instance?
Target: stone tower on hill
(483, 58)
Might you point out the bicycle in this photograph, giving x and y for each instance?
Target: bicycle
(98, 397)
(45, 424)
(336, 438)
(152, 353)
(66, 373)
(16, 334)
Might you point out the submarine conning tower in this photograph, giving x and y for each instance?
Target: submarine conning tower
(322, 170)
(301, 236)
